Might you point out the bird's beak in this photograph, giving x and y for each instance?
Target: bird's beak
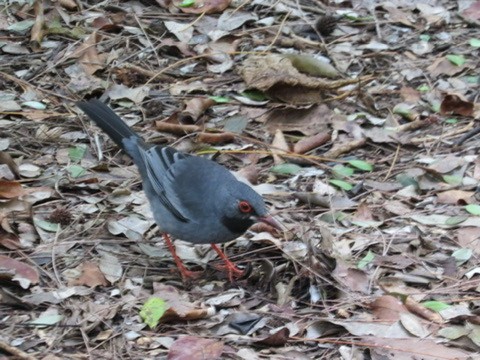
(269, 221)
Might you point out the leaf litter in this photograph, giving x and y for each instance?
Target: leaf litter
(358, 125)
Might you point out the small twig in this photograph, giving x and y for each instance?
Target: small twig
(467, 136)
(277, 35)
(393, 163)
(16, 352)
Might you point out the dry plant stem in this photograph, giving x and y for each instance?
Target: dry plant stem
(215, 138)
(177, 129)
(468, 135)
(146, 37)
(345, 148)
(414, 125)
(277, 35)
(310, 143)
(17, 353)
(393, 163)
(54, 262)
(37, 29)
(422, 311)
(199, 17)
(68, 4)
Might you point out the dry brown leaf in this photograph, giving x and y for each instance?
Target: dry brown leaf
(387, 308)
(310, 121)
(459, 197)
(11, 189)
(276, 76)
(443, 66)
(456, 104)
(195, 348)
(88, 57)
(19, 271)
(414, 348)
(280, 338)
(194, 108)
(180, 307)
(279, 147)
(351, 278)
(469, 237)
(91, 276)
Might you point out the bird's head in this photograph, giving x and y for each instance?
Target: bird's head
(243, 207)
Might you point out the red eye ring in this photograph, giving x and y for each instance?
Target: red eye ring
(244, 207)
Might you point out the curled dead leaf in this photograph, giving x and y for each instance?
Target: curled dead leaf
(194, 108)
(279, 338)
(18, 271)
(455, 104)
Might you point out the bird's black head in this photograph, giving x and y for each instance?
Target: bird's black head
(242, 208)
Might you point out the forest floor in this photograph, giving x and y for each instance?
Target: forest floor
(354, 120)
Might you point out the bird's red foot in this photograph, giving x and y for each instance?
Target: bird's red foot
(232, 270)
(189, 274)
(186, 274)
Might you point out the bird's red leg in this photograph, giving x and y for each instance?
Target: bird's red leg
(186, 274)
(229, 266)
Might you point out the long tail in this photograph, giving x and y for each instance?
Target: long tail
(108, 121)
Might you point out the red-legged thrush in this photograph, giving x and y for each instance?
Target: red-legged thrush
(192, 198)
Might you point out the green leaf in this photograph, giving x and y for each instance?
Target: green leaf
(425, 37)
(462, 255)
(254, 95)
(406, 180)
(220, 99)
(153, 310)
(472, 79)
(21, 26)
(35, 105)
(474, 43)
(436, 107)
(341, 184)
(286, 169)
(473, 209)
(76, 171)
(46, 225)
(47, 319)
(452, 179)
(360, 164)
(457, 60)
(451, 121)
(403, 110)
(367, 259)
(423, 88)
(342, 171)
(187, 3)
(453, 332)
(77, 153)
(455, 220)
(236, 123)
(435, 305)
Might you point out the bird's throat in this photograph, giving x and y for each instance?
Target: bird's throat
(235, 225)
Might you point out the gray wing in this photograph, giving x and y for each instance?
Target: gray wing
(160, 164)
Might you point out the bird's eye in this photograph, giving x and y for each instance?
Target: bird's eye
(244, 207)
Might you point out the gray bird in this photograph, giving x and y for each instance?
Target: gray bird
(192, 198)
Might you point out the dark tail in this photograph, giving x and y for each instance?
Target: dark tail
(107, 120)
